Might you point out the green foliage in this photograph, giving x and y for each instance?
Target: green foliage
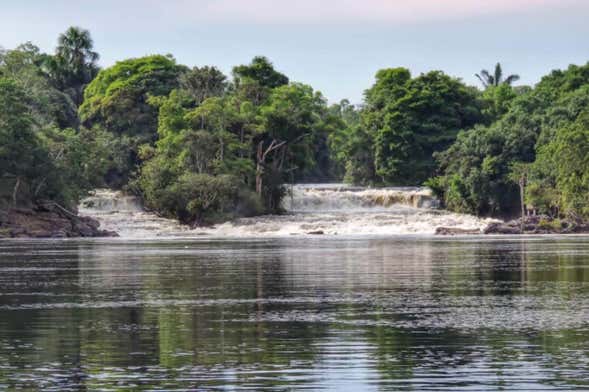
(22, 158)
(543, 130)
(242, 147)
(261, 71)
(203, 83)
(74, 64)
(571, 160)
(496, 79)
(199, 198)
(340, 143)
(25, 65)
(117, 100)
(477, 166)
(196, 172)
(255, 81)
(497, 101)
(293, 127)
(352, 147)
(293, 114)
(38, 161)
(412, 118)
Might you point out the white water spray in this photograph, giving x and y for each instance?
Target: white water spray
(125, 215)
(330, 209)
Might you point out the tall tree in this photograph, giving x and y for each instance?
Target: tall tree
(117, 101)
(74, 64)
(21, 155)
(202, 83)
(291, 121)
(254, 81)
(411, 118)
(23, 64)
(496, 79)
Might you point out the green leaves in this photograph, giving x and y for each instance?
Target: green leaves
(541, 134)
(496, 79)
(411, 119)
(121, 101)
(117, 98)
(39, 160)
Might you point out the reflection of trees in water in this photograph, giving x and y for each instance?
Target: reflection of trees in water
(166, 309)
(30, 336)
(356, 265)
(211, 295)
(402, 354)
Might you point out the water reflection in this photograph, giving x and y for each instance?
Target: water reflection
(356, 314)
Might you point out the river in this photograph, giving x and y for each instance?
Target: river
(381, 312)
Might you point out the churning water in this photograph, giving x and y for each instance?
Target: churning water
(297, 313)
(125, 214)
(332, 209)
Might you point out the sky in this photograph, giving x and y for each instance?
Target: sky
(336, 46)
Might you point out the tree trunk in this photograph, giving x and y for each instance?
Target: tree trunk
(259, 168)
(15, 191)
(522, 184)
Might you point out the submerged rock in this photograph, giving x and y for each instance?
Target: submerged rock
(539, 224)
(503, 228)
(455, 231)
(48, 221)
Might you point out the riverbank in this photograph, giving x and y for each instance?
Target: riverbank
(48, 221)
(539, 225)
(531, 225)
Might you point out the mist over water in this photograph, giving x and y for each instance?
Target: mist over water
(332, 209)
(307, 313)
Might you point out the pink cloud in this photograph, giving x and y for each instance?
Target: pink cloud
(350, 11)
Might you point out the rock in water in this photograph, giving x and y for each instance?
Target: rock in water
(48, 221)
(455, 231)
(503, 228)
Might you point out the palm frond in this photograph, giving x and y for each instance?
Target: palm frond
(511, 79)
(498, 74)
(483, 81)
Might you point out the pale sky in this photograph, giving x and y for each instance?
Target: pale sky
(334, 45)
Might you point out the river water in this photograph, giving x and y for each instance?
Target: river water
(311, 313)
(377, 303)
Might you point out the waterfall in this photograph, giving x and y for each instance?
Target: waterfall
(340, 197)
(331, 209)
(125, 214)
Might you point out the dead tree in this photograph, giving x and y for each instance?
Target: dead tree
(262, 155)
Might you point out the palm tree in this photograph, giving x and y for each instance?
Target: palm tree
(74, 64)
(496, 79)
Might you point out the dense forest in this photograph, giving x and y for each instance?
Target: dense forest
(201, 147)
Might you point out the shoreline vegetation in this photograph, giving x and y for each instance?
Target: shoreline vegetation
(201, 147)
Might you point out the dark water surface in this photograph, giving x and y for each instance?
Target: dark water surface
(294, 314)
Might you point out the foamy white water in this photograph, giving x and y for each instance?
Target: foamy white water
(125, 214)
(330, 209)
(336, 209)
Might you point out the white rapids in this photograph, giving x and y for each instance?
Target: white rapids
(125, 215)
(330, 209)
